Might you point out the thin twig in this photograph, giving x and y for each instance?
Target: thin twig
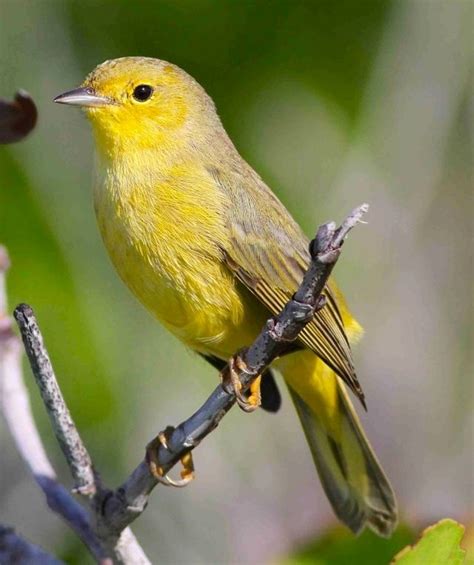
(16, 410)
(122, 545)
(66, 433)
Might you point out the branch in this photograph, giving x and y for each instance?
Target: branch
(66, 433)
(16, 410)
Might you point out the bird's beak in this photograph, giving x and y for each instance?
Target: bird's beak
(82, 96)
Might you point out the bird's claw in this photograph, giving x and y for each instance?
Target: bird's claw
(187, 473)
(231, 382)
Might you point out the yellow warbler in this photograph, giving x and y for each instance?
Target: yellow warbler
(206, 246)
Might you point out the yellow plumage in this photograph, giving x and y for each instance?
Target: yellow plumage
(210, 251)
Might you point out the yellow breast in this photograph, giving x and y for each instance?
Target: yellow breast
(164, 230)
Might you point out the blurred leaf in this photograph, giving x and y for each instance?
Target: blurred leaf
(340, 547)
(439, 545)
(17, 117)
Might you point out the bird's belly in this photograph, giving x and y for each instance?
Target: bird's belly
(195, 297)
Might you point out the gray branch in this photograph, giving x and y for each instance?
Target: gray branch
(75, 453)
(114, 510)
(16, 410)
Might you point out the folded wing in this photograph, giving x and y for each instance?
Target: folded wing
(268, 253)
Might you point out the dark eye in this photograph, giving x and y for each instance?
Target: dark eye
(142, 92)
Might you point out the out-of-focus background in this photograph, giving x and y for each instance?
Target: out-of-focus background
(334, 103)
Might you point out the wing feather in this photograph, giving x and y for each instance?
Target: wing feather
(268, 253)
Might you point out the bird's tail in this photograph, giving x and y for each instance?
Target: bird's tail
(352, 477)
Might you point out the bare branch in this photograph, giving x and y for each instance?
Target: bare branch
(15, 549)
(16, 410)
(66, 433)
(121, 544)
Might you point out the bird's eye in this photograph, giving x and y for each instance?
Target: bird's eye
(142, 92)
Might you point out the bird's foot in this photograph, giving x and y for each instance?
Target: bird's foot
(250, 401)
(187, 473)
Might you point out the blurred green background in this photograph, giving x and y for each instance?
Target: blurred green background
(334, 103)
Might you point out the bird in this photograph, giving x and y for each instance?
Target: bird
(211, 252)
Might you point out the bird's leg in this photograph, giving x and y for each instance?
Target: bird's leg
(187, 473)
(255, 396)
(231, 382)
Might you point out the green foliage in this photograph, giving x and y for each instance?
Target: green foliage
(439, 545)
(340, 547)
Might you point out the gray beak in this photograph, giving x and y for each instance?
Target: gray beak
(83, 96)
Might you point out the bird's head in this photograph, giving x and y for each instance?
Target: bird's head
(139, 101)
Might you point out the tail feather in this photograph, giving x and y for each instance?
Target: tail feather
(359, 495)
(371, 503)
(380, 499)
(351, 475)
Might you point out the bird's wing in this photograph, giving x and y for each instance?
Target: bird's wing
(269, 254)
